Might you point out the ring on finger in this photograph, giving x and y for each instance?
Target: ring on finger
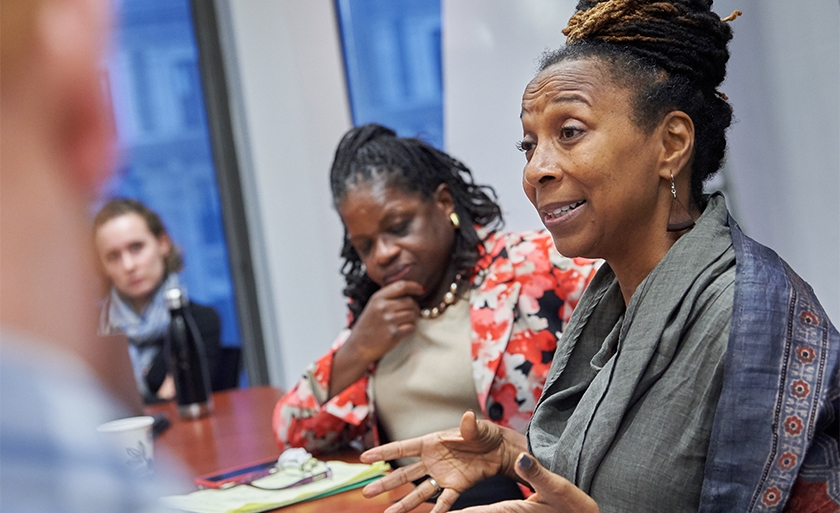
(437, 487)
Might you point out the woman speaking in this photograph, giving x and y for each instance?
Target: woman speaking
(698, 372)
(447, 313)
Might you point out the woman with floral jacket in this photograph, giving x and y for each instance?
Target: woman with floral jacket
(447, 314)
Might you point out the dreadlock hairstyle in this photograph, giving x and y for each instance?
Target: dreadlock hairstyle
(370, 153)
(673, 53)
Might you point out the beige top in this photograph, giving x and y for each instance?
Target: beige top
(425, 383)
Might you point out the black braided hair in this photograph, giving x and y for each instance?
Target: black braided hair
(372, 153)
(673, 53)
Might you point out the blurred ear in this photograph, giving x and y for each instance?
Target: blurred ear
(72, 36)
(677, 132)
(443, 198)
(165, 243)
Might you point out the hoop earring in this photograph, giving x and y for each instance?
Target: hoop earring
(679, 218)
(455, 220)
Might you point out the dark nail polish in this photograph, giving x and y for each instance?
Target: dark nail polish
(525, 462)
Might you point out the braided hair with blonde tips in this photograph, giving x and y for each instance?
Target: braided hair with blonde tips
(372, 153)
(672, 54)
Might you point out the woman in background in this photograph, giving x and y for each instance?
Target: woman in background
(140, 262)
(447, 313)
(698, 372)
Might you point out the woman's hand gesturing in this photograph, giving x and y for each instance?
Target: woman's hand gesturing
(390, 315)
(457, 459)
(554, 494)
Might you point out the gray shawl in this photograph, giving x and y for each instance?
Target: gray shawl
(629, 401)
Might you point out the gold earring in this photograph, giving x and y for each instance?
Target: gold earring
(455, 220)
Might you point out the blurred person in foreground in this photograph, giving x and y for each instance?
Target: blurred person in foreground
(698, 372)
(55, 148)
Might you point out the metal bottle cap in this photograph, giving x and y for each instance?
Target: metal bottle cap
(174, 298)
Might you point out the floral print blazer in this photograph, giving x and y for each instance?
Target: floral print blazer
(522, 294)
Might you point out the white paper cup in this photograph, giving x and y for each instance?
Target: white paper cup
(131, 438)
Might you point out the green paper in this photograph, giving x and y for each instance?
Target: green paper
(247, 499)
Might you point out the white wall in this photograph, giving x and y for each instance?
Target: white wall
(290, 109)
(784, 83)
(490, 52)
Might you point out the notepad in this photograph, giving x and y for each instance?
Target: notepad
(248, 499)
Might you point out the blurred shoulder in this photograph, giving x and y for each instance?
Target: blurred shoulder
(48, 440)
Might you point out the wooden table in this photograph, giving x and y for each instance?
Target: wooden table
(239, 432)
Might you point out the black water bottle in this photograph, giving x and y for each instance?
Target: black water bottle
(187, 359)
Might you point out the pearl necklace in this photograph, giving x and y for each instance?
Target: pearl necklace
(450, 298)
